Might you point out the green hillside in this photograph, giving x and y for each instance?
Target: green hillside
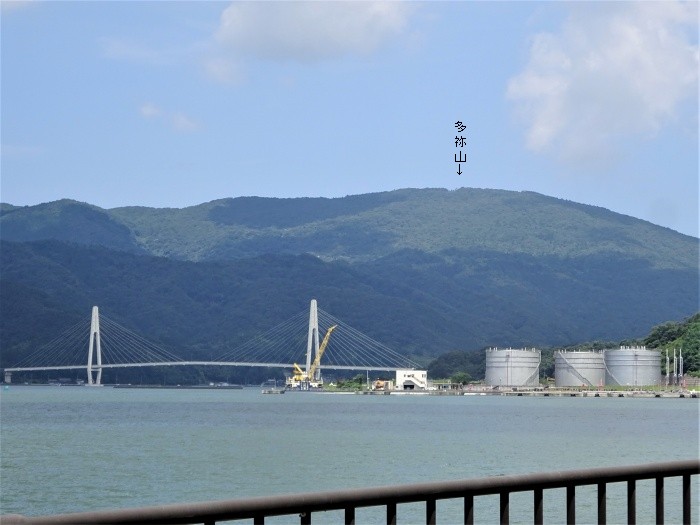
(65, 220)
(196, 310)
(419, 304)
(360, 228)
(683, 335)
(423, 271)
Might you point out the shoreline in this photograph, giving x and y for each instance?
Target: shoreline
(638, 392)
(666, 394)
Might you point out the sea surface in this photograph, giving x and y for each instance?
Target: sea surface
(70, 449)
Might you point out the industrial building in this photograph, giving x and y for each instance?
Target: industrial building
(624, 366)
(579, 368)
(513, 367)
(633, 366)
(409, 379)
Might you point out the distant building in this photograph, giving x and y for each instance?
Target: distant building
(411, 380)
(443, 385)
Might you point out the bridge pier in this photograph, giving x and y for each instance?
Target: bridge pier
(8, 377)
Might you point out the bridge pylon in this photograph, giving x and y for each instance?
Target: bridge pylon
(312, 343)
(95, 349)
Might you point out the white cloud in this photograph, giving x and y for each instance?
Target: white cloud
(308, 31)
(20, 150)
(176, 120)
(614, 70)
(182, 122)
(222, 69)
(148, 110)
(120, 49)
(14, 5)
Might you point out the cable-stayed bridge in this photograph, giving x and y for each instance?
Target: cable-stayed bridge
(104, 344)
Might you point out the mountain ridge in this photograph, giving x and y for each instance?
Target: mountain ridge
(422, 271)
(364, 227)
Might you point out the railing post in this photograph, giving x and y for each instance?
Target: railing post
(259, 509)
(602, 503)
(430, 511)
(391, 514)
(469, 509)
(571, 504)
(660, 500)
(631, 502)
(686, 499)
(505, 518)
(537, 507)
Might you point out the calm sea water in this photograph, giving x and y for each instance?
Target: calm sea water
(68, 449)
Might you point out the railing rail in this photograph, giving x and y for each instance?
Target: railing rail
(304, 505)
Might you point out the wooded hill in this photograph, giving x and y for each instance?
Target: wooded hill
(463, 366)
(358, 228)
(422, 271)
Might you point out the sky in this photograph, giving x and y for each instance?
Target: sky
(172, 104)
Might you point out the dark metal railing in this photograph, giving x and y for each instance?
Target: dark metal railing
(304, 505)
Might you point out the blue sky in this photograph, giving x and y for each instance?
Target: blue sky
(171, 104)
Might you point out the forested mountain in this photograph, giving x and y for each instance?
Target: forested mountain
(358, 228)
(422, 271)
(466, 365)
(684, 335)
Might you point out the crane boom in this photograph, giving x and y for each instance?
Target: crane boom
(300, 376)
(321, 349)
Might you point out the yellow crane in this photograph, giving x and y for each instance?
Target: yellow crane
(300, 376)
(321, 349)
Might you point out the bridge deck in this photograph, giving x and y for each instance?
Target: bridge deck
(196, 363)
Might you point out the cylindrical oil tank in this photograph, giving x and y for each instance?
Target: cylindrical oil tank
(633, 366)
(511, 367)
(585, 368)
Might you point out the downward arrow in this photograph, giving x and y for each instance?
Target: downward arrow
(459, 169)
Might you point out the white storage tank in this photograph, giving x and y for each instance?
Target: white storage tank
(511, 367)
(633, 366)
(579, 368)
